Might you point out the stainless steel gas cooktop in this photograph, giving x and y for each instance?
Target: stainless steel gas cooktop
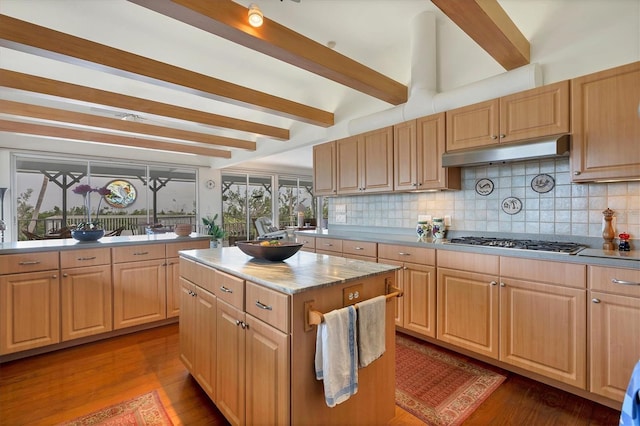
(549, 246)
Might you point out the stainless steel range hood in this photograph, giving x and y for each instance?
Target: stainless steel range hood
(556, 146)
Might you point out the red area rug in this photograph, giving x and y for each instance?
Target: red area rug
(437, 386)
(143, 410)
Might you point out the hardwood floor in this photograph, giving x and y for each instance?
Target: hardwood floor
(51, 388)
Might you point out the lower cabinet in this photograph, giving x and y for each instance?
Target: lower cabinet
(614, 316)
(416, 310)
(30, 306)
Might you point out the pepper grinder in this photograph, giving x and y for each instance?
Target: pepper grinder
(607, 233)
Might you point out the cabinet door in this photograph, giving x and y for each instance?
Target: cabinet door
(348, 158)
(267, 374)
(405, 156)
(230, 380)
(606, 129)
(187, 324)
(430, 134)
(420, 299)
(614, 343)
(535, 113)
(324, 169)
(468, 311)
(473, 125)
(543, 329)
(30, 306)
(86, 301)
(139, 293)
(173, 287)
(205, 341)
(377, 163)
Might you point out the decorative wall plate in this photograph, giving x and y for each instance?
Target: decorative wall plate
(542, 183)
(484, 186)
(123, 194)
(511, 205)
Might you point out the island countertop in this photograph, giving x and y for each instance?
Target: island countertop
(301, 272)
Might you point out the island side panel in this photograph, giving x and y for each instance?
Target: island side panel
(375, 401)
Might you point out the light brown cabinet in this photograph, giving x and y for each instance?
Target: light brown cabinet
(606, 127)
(86, 303)
(418, 146)
(614, 327)
(29, 301)
(530, 114)
(365, 162)
(416, 310)
(139, 287)
(543, 318)
(309, 243)
(173, 273)
(324, 169)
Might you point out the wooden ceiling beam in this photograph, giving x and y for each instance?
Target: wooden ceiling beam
(62, 116)
(486, 22)
(228, 19)
(60, 89)
(88, 136)
(41, 41)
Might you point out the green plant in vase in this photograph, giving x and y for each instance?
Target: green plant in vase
(213, 230)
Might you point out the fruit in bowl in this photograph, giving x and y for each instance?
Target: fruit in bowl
(272, 250)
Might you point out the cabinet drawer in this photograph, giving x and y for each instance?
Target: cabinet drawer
(565, 274)
(329, 244)
(230, 289)
(174, 248)
(198, 274)
(360, 248)
(138, 252)
(309, 242)
(419, 255)
(268, 305)
(472, 262)
(28, 262)
(89, 257)
(627, 281)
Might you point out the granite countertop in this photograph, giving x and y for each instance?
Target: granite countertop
(71, 244)
(302, 271)
(588, 256)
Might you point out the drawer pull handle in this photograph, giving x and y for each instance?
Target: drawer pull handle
(86, 258)
(358, 248)
(225, 289)
(328, 244)
(29, 262)
(263, 306)
(617, 281)
(140, 253)
(401, 253)
(595, 300)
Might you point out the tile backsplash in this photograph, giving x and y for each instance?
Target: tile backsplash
(568, 209)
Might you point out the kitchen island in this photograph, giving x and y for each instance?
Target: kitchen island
(246, 338)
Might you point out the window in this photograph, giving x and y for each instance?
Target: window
(143, 194)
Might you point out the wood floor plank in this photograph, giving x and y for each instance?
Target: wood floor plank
(72, 382)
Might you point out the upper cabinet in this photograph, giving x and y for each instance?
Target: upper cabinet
(531, 114)
(606, 125)
(365, 162)
(324, 169)
(418, 146)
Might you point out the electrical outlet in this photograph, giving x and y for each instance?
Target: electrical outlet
(341, 218)
(351, 295)
(341, 208)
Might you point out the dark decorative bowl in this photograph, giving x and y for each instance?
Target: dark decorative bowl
(274, 253)
(92, 235)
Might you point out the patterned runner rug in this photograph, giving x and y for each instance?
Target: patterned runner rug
(143, 410)
(437, 386)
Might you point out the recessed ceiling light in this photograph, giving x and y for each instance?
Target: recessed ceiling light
(255, 15)
(331, 44)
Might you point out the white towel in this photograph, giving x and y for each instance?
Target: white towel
(371, 329)
(336, 359)
(630, 414)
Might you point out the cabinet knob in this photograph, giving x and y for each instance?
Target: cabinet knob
(594, 300)
(494, 137)
(502, 284)
(577, 173)
(503, 136)
(54, 276)
(493, 283)
(65, 275)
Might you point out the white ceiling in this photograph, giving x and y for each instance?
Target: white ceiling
(376, 33)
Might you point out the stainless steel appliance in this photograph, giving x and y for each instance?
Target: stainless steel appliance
(537, 245)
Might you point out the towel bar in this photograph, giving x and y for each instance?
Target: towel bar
(313, 317)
